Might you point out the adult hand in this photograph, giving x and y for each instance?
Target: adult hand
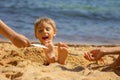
(94, 55)
(20, 41)
(16, 38)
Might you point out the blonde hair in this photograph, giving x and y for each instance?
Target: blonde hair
(42, 20)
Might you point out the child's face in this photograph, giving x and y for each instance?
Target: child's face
(45, 32)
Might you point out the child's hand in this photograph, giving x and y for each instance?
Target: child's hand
(49, 52)
(50, 47)
(93, 55)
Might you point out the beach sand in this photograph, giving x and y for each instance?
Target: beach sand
(30, 64)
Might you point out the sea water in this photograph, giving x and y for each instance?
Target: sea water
(78, 21)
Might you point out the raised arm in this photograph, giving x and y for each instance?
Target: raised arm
(16, 38)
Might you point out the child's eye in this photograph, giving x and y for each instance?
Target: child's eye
(48, 29)
(40, 31)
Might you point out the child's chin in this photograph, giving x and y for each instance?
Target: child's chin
(46, 41)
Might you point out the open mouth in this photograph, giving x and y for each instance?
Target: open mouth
(45, 38)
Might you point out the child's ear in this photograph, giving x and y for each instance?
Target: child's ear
(54, 34)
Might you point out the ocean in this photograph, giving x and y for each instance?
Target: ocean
(78, 21)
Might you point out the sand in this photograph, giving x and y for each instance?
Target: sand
(30, 64)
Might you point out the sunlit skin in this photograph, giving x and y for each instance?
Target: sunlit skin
(46, 33)
(62, 52)
(17, 39)
(97, 54)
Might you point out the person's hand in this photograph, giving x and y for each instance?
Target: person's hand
(94, 55)
(20, 41)
(50, 48)
(49, 51)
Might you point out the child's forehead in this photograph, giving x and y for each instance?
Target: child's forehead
(43, 25)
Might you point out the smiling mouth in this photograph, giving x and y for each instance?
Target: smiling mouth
(45, 37)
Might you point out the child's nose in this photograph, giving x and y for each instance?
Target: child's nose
(45, 31)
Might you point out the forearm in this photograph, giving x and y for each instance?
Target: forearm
(6, 31)
(113, 50)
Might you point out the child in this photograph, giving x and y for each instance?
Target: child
(98, 53)
(45, 31)
(17, 39)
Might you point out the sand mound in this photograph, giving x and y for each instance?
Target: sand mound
(30, 64)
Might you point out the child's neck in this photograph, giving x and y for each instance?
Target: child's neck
(48, 42)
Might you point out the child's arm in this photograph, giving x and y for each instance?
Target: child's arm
(17, 39)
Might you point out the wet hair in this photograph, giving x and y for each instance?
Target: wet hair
(42, 20)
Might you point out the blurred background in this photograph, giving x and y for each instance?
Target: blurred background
(78, 21)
